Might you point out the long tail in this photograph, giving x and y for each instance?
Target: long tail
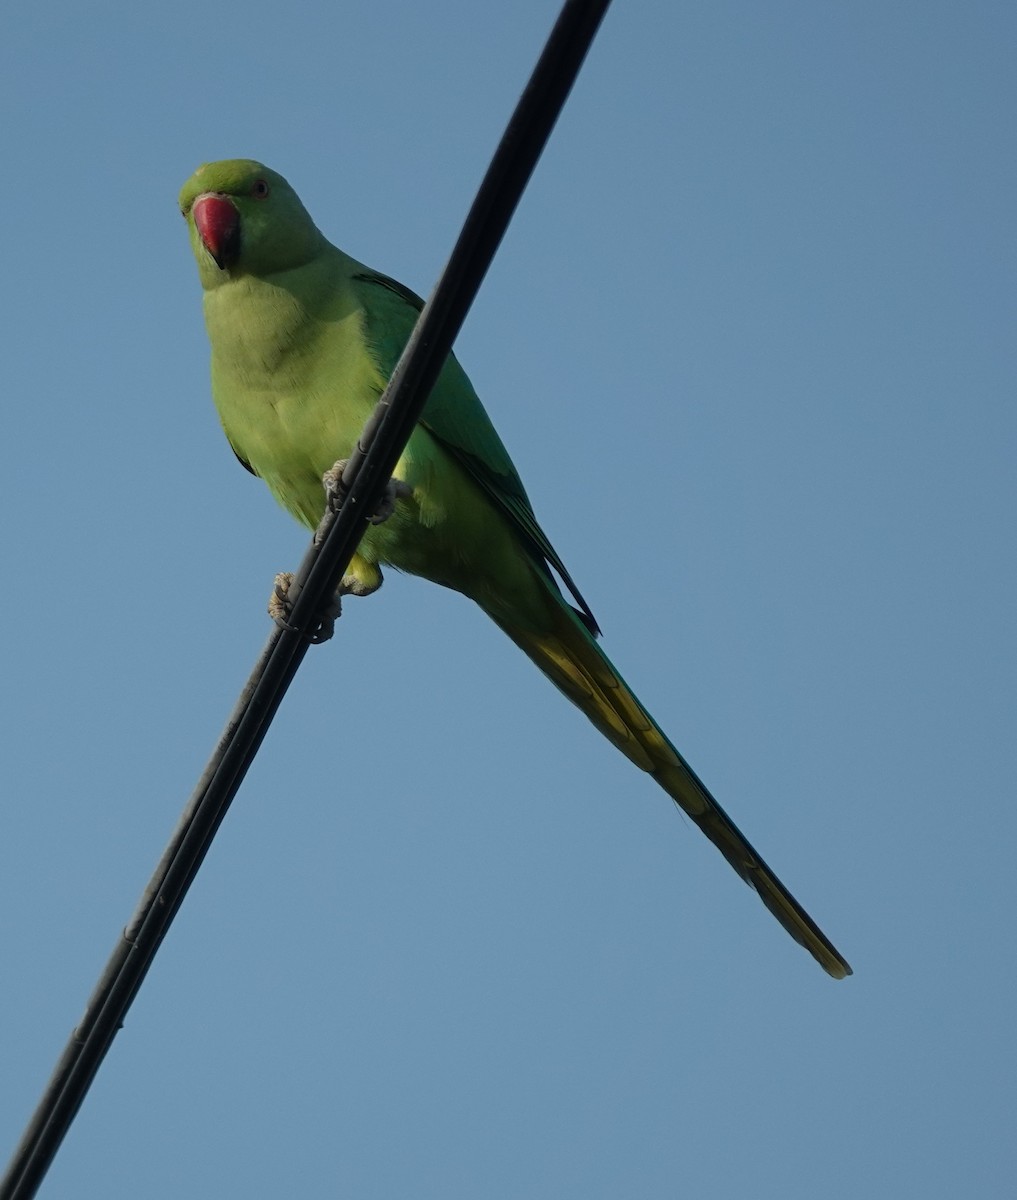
(574, 662)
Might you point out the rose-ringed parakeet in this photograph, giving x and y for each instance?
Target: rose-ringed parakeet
(303, 341)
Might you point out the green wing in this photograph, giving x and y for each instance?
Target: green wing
(455, 417)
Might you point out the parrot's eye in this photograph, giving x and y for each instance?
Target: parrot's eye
(260, 189)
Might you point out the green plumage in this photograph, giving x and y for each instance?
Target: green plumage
(303, 341)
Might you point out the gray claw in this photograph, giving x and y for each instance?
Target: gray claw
(395, 490)
(279, 608)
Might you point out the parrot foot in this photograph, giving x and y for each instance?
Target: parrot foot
(363, 578)
(395, 490)
(279, 608)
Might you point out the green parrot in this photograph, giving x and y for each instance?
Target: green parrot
(304, 339)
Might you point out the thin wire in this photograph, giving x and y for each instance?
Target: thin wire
(364, 481)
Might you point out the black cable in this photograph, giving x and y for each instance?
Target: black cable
(364, 482)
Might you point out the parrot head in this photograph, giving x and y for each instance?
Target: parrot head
(245, 219)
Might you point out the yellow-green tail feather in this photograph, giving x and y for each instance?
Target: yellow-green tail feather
(574, 662)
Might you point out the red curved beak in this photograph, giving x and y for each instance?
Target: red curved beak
(218, 224)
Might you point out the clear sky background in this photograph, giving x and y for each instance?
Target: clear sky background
(751, 343)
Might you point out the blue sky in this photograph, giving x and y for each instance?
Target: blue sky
(751, 343)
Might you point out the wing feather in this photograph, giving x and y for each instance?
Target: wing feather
(455, 416)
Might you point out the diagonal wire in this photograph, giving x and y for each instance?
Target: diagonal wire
(364, 481)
